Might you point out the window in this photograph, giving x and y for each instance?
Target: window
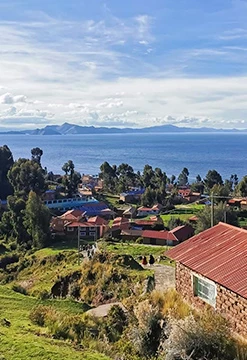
(92, 228)
(70, 229)
(204, 289)
(83, 233)
(92, 234)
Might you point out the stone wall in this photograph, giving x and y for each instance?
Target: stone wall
(231, 305)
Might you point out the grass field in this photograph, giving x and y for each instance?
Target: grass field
(23, 340)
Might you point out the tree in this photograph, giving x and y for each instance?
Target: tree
(173, 178)
(108, 175)
(36, 155)
(12, 220)
(37, 220)
(241, 188)
(183, 177)
(6, 162)
(25, 176)
(71, 179)
(174, 222)
(221, 211)
(212, 178)
(149, 197)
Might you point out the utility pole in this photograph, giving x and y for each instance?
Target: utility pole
(212, 210)
(225, 214)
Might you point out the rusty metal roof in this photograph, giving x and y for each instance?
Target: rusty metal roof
(219, 253)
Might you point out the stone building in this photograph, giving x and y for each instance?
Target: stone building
(211, 269)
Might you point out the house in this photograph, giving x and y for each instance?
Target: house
(130, 212)
(57, 224)
(211, 269)
(153, 237)
(148, 224)
(67, 224)
(189, 195)
(183, 232)
(88, 231)
(131, 196)
(118, 225)
(235, 202)
(145, 211)
(131, 234)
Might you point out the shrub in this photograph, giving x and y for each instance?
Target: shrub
(42, 315)
(204, 337)
(170, 303)
(146, 336)
(44, 295)
(139, 240)
(20, 289)
(8, 259)
(115, 323)
(75, 291)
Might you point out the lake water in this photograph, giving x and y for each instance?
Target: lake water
(199, 152)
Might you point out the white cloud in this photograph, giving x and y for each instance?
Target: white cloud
(10, 99)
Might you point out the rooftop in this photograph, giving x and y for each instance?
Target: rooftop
(219, 253)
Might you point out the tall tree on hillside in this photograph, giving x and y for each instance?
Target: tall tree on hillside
(147, 176)
(71, 179)
(26, 175)
(109, 176)
(212, 178)
(183, 177)
(37, 220)
(36, 155)
(6, 162)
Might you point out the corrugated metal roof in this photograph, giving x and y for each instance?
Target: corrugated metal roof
(219, 253)
(162, 235)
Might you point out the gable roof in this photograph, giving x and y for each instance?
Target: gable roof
(182, 232)
(97, 220)
(162, 235)
(218, 253)
(72, 214)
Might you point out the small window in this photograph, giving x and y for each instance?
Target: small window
(83, 233)
(70, 228)
(204, 289)
(92, 233)
(92, 228)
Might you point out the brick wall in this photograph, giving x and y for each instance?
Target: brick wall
(232, 306)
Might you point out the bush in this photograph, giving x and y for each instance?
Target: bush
(44, 295)
(20, 289)
(204, 337)
(139, 240)
(146, 336)
(8, 259)
(43, 315)
(115, 323)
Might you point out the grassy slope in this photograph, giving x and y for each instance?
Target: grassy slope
(23, 340)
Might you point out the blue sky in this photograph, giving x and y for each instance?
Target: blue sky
(126, 64)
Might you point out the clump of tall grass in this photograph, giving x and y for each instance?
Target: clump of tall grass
(170, 303)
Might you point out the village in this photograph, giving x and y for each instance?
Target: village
(166, 249)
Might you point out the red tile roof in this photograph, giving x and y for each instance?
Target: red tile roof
(219, 253)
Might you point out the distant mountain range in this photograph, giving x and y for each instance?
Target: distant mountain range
(71, 129)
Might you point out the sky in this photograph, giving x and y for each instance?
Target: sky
(132, 63)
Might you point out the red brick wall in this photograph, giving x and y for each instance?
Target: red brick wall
(232, 306)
